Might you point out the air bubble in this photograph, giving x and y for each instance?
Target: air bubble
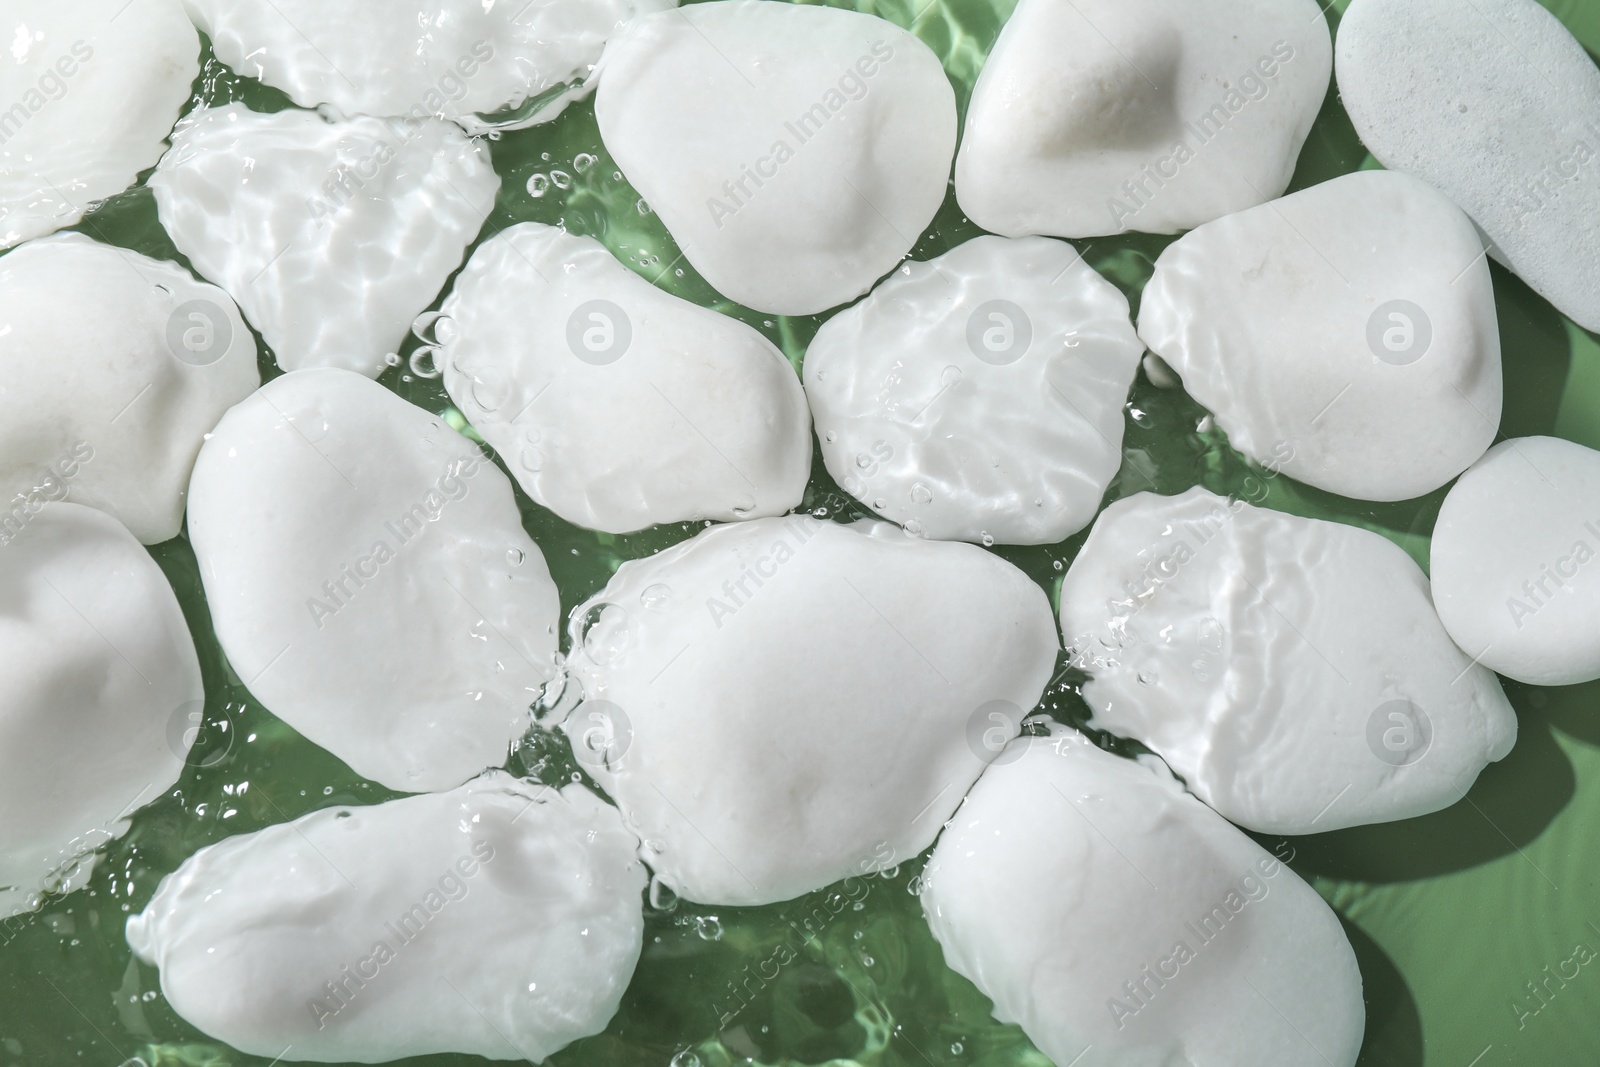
(987, 538)
(655, 597)
(709, 927)
(921, 494)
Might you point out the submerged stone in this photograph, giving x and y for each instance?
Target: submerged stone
(100, 694)
(370, 580)
(1292, 671)
(782, 703)
(502, 919)
(616, 405)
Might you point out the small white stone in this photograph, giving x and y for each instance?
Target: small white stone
(1121, 923)
(1495, 104)
(985, 387)
(332, 236)
(794, 152)
(100, 694)
(1344, 335)
(455, 59)
(92, 89)
(1292, 671)
(616, 405)
(1514, 564)
(1095, 117)
(370, 580)
(782, 703)
(116, 366)
(502, 919)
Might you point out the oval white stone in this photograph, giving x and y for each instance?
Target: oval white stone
(99, 694)
(1101, 116)
(117, 366)
(1149, 931)
(91, 89)
(778, 704)
(1291, 670)
(616, 405)
(1344, 335)
(453, 59)
(370, 580)
(1514, 571)
(795, 153)
(502, 919)
(331, 236)
(1494, 103)
(979, 393)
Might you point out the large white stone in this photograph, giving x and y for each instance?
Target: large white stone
(1344, 335)
(116, 366)
(781, 703)
(370, 580)
(502, 919)
(455, 59)
(1121, 923)
(1291, 670)
(1095, 117)
(980, 393)
(332, 236)
(1494, 103)
(90, 90)
(616, 405)
(796, 153)
(1514, 564)
(100, 694)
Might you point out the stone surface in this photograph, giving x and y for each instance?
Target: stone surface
(100, 694)
(1096, 117)
(794, 152)
(1291, 670)
(370, 580)
(1344, 335)
(616, 405)
(979, 394)
(1153, 932)
(116, 367)
(331, 236)
(454, 59)
(1513, 565)
(781, 703)
(1498, 106)
(91, 89)
(502, 919)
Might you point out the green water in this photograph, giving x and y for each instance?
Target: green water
(1451, 915)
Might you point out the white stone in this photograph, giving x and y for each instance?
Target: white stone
(1344, 335)
(782, 703)
(332, 236)
(100, 694)
(116, 366)
(1495, 104)
(1291, 670)
(1514, 561)
(455, 59)
(1120, 923)
(502, 919)
(90, 90)
(370, 580)
(980, 393)
(616, 405)
(1095, 117)
(795, 153)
